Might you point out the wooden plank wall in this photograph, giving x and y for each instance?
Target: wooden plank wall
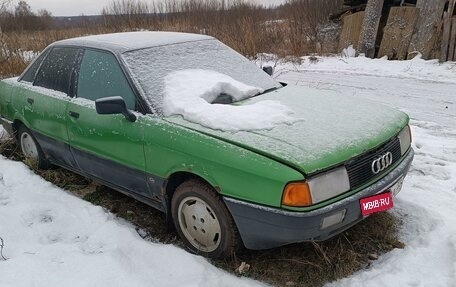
(445, 39)
(398, 32)
(448, 51)
(452, 47)
(448, 45)
(451, 8)
(427, 29)
(351, 29)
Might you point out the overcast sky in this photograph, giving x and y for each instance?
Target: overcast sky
(88, 7)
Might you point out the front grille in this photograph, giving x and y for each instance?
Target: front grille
(359, 169)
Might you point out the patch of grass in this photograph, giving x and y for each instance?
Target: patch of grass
(65, 179)
(9, 149)
(317, 263)
(304, 264)
(151, 221)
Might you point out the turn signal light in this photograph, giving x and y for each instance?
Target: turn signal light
(297, 194)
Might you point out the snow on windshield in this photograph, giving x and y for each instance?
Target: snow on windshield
(190, 93)
(150, 66)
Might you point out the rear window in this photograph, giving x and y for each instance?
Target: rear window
(55, 72)
(29, 76)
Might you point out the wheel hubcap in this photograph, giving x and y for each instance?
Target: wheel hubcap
(28, 146)
(199, 224)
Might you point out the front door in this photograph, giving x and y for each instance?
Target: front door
(108, 147)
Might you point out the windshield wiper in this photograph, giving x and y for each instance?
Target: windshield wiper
(268, 91)
(223, 99)
(226, 99)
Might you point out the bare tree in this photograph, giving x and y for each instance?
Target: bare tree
(23, 9)
(306, 19)
(44, 19)
(3, 10)
(3, 13)
(4, 4)
(131, 14)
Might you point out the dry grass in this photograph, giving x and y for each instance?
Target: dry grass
(317, 263)
(17, 48)
(298, 28)
(9, 149)
(304, 264)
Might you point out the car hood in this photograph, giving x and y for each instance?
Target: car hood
(330, 128)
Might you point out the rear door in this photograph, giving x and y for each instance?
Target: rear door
(44, 96)
(107, 147)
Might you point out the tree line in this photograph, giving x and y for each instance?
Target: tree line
(22, 18)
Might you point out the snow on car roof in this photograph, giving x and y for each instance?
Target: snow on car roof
(122, 42)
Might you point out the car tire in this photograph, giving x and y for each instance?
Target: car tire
(31, 149)
(203, 221)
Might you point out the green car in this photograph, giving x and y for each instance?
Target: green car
(185, 124)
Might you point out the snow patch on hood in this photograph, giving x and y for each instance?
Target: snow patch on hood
(189, 93)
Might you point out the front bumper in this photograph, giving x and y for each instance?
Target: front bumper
(7, 125)
(263, 227)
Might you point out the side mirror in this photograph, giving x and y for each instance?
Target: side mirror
(268, 70)
(112, 106)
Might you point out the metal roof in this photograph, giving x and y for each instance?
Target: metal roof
(128, 41)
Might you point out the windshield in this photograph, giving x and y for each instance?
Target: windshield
(150, 67)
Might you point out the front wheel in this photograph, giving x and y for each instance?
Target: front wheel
(203, 221)
(30, 148)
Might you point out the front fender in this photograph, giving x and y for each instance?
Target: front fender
(235, 172)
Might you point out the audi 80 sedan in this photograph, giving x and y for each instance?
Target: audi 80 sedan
(100, 106)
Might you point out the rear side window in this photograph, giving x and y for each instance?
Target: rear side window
(101, 76)
(55, 72)
(29, 76)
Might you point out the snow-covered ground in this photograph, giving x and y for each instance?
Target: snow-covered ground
(55, 239)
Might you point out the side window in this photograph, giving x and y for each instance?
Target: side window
(101, 76)
(29, 76)
(55, 73)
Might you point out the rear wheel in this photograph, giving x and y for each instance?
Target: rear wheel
(30, 148)
(203, 221)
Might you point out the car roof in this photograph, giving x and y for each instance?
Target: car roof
(128, 41)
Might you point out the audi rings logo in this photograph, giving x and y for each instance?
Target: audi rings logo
(382, 162)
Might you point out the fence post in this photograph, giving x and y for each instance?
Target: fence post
(368, 36)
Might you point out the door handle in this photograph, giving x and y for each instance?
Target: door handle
(30, 101)
(74, 115)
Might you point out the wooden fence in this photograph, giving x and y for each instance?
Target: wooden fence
(408, 31)
(448, 52)
(398, 32)
(351, 30)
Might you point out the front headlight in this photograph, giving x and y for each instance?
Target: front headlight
(317, 189)
(329, 184)
(405, 139)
